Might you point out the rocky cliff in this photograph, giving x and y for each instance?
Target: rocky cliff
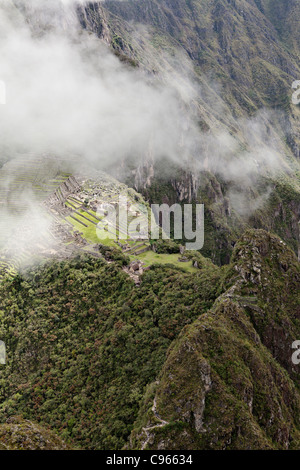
(240, 58)
(229, 381)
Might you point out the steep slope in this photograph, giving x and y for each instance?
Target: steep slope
(20, 434)
(85, 348)
(240, 59)
(83, 341)
(252, 51)
(284, 17)
(229, 381)
(198, 357)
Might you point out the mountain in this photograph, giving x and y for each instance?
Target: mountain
(221, 386)
(251, 49)
(117, 343)
(241, 58)
(209, 350)
(20, 434)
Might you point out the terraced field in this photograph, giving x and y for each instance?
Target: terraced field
(48, 212)
(87, 211)
(28, 178)
(25, 183)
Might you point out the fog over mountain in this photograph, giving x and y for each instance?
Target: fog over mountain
(113, 337)
(62, 82)
(69, 95)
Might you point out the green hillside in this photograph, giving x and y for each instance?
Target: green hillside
(85, 348)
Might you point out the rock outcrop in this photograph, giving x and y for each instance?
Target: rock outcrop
(20, 434)
(229, 381)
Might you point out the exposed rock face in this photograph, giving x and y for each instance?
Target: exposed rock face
(250, 51)
(252, 46)
(269, 273)
(69, 186)
(191, 410)
(208, 352)
(94, 19)
(229, 381)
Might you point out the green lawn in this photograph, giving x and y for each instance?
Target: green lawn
(90, 232)
(150, 257)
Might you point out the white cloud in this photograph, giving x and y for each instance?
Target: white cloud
(71, 96)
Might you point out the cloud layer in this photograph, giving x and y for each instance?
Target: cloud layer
(70, 94)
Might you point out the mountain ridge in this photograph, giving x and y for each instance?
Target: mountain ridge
(142, 345)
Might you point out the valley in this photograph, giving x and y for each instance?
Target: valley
(110, 339)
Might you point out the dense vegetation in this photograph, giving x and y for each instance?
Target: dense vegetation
(86, 347)
(19, 434)
(83, 342)
(198, 356)
(228, 381)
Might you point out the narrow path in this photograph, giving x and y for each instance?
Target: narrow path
(150, 428)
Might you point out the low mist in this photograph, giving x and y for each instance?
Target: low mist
(68, 95)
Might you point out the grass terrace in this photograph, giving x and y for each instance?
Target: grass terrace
(150, 258)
